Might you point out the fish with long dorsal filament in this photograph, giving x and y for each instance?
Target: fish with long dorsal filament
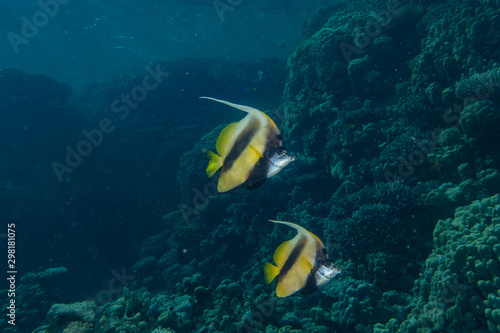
(301, 263)
(248, 151)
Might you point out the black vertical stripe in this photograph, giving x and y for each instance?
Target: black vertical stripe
(294, 255)
(311, 283)
(242, 141)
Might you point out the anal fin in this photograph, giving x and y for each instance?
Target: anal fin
(256, 185)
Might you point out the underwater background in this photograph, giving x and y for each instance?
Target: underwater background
(392, 109)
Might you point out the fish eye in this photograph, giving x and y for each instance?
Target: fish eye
(328, 263)
(281, 150)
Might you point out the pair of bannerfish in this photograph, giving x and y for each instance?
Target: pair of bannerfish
(249, 152)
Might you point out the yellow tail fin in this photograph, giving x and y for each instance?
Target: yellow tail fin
(270, 272)
(214, 163)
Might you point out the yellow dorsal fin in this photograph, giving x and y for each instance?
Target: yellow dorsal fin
(295, 279)
(271, 122)
(244, 108)
(270, 272)
(214, 163)
(282, 252)
(293, 225)
(301, 230)
(225, 139)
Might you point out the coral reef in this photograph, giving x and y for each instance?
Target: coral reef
(391, 110)
(459, 288)
(479, 86)
(45, 276)
(84, 311)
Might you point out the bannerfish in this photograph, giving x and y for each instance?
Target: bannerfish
(301, 263)
(249, 151)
